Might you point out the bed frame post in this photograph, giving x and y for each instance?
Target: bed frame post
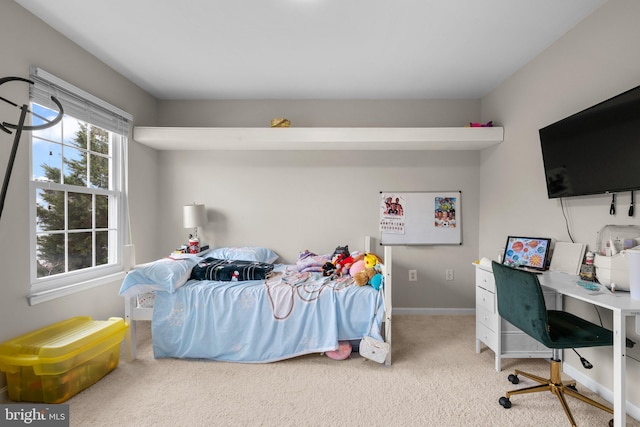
(387, 268)
(130, 338)
(388, 306)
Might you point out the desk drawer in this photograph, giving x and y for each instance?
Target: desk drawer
(485, 299)
(485, 280)
(487, 336)
(487, 318)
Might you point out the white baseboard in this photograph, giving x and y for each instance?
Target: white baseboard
(433, 311)
(596, 387)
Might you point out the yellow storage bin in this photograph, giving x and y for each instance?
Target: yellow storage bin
(52, 364)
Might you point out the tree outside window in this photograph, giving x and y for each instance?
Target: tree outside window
(72, 164)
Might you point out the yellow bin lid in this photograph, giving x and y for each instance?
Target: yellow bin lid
(59, 341)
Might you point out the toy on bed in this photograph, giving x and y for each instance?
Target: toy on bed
(368, 271)
(368, 277)
(341, 262)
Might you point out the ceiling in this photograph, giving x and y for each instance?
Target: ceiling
(314, 49)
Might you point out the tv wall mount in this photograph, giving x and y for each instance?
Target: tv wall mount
(19, 127)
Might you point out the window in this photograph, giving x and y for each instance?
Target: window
(77, 191)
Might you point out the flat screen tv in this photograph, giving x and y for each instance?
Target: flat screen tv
(595, 151)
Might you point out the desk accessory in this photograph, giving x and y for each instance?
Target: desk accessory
(527, 252)
(567, 257)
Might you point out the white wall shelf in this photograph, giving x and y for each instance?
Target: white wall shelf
(314, 138)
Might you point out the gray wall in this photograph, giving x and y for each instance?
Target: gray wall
(27, 41)
(594, 61)
(291, 201)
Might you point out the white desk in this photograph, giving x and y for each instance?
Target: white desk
(622, 306)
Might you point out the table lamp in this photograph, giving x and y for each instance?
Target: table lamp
(194, 216)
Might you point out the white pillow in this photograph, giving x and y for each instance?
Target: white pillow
(245, 253)
(166, 274)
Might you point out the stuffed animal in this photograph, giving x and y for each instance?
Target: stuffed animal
(481, 125)
(328, 269)
(376, 281)
(371, 259)
(369, 276)
(339, 266)
(358, 256)
(343, 264)
(342, 352)
(341, 250)
(362, 277)
(356, 267)
(340, 263)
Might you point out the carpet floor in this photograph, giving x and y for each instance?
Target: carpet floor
(436, 379)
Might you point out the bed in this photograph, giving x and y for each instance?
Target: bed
(269, 312)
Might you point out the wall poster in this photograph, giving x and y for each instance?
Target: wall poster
(420, 217)
(392, 213)
(444, 212)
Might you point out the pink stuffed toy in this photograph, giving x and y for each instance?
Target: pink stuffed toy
(357, 267)
(481, 125)
(342, 352)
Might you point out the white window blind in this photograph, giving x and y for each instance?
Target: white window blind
(76, 102)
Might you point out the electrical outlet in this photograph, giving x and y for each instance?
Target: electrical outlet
(413, 275)
(449, 273)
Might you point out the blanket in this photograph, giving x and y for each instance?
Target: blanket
(226, 270)
(259, 321)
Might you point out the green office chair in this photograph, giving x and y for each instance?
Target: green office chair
(521, 302)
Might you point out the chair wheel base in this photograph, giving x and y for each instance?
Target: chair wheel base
(504, 402)
(514, 379)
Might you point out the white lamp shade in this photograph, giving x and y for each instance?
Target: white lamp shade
(193, 216)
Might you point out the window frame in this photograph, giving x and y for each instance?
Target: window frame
(46, 288)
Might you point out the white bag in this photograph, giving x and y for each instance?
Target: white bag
(370, 347)
(374, 349)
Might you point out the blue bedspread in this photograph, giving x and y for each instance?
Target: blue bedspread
(287, 315)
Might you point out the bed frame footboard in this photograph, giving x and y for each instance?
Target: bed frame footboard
(388, 307)
(388, 286)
